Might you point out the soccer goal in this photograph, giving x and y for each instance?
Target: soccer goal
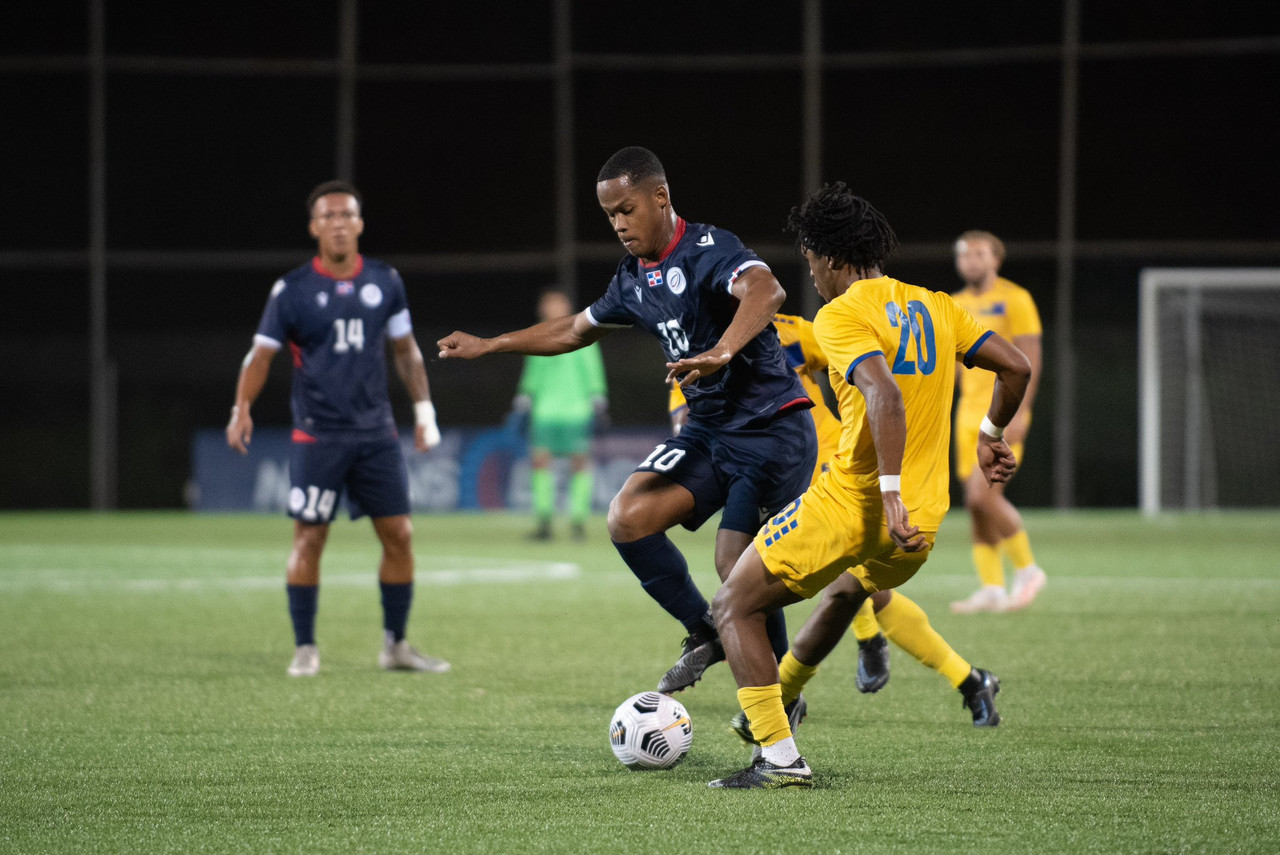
(1209, 357)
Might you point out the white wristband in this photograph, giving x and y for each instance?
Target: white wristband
(424, 413)
(890, 483)
(990, 429)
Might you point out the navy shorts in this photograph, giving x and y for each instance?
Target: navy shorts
(751, 474)
(372, 473)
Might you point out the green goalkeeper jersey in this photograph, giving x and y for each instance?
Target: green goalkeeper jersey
(563, 388)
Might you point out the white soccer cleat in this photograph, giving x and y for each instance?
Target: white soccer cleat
(1026, 584)
(399, 656)
(988, 598)
(306, 661)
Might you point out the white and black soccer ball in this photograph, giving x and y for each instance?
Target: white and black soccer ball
(650, 731)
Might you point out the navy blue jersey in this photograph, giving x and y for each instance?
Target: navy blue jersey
(684, 300)
(336, 330)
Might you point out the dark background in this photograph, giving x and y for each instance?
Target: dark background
(208, 164)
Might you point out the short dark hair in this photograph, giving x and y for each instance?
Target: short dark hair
(836, 224)
(635, 162)
(334, 186)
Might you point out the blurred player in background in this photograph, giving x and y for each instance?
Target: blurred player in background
(867, 524)
(564, 396)
(748, 446)
(997, 526)
(337, 314)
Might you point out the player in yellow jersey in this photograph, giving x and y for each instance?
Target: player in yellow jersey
(997, 526)
(867, 524)
(904, 621)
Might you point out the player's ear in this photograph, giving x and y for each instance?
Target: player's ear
(661, 195)
(313, 229)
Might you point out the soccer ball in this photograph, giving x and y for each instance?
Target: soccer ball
(650, 731)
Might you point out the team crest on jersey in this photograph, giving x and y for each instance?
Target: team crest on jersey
(676, 281)
(345, 289)
(371, 295)
(322, 299)
(993, 309)
(654, 277)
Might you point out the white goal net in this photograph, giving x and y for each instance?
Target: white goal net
(1209, 355)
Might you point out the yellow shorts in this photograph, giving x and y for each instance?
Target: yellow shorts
(966, 441)
(826, 532)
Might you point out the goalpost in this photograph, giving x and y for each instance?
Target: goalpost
(1209, 361)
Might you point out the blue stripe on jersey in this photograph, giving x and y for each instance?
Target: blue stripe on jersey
(794, 354)
(848, 375)
(968, 356)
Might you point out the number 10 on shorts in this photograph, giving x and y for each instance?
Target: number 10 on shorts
(662, 460)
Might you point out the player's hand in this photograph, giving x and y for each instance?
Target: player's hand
(907, 536)
(426, 433)
(425, 437)
(460, 345)
(995, 459)
(686, 370)
(240, 430)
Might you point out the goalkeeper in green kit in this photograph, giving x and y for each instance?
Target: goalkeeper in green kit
(564, 397)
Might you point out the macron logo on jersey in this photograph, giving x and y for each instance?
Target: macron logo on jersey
(654, 277)
(706, 240)
(994, 309)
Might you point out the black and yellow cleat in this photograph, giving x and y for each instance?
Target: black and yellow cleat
(763, 775)
(979, 691)
(873, 664)
(796, 712)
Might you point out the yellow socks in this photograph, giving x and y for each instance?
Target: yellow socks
(795, 675)
(763, 706)
(907, 626)
(865, 626)
(1018, 548)
(986, 558)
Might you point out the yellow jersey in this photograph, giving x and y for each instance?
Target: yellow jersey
(1005, 308)
(919, 333)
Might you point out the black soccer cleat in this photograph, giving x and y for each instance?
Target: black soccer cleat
(700, 653)
(979, 691)
(796, 712)
(763, 775)
(873, 664)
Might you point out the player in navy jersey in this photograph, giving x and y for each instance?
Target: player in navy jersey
(749, 442)
(336, 314)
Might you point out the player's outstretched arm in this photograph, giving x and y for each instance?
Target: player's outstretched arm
(407, 357)
(559, 335)
(759, 296)
(887, 417)
(253, 376)
(1013, 375)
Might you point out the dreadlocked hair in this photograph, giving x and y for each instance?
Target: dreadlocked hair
(836, 224)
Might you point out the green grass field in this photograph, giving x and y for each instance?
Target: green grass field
(145, 706)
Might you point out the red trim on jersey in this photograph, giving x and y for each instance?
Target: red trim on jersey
(803, 403)
(319, 267)
(302, 437)
(297, 353)
(671, 247)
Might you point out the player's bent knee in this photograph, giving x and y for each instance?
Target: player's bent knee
(630, 518)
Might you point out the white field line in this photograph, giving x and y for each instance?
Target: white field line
(79, 581)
